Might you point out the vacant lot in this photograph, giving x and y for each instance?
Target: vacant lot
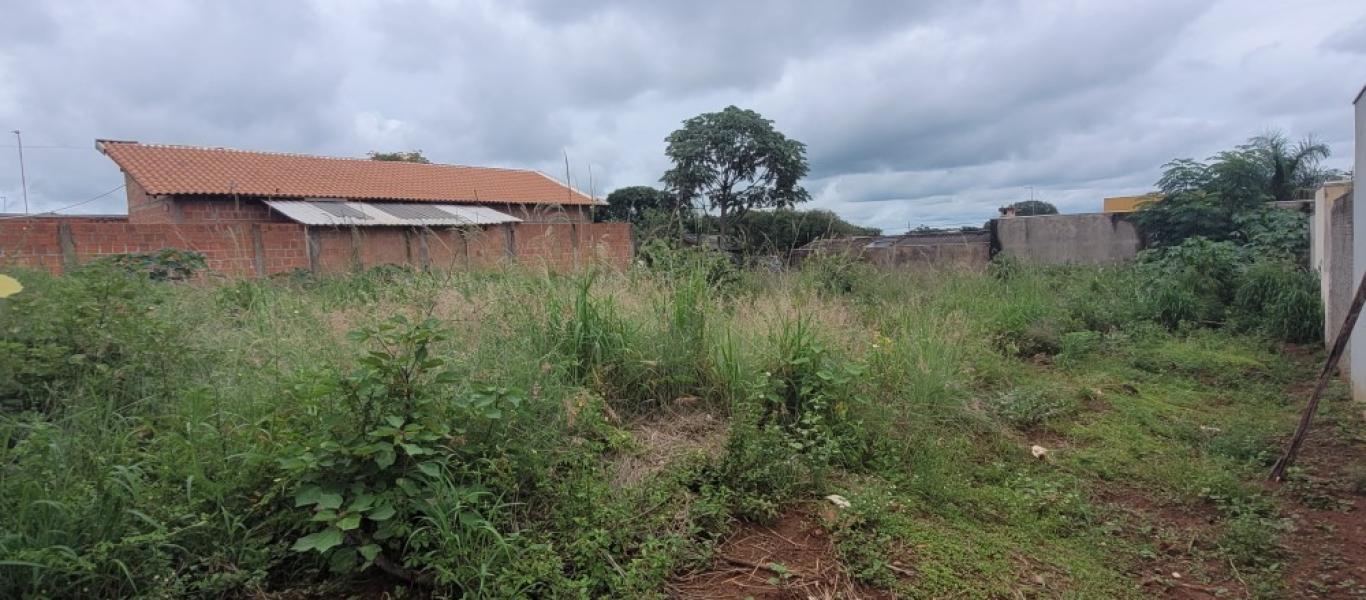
(667, 432)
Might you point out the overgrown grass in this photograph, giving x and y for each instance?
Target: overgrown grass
(232, 438)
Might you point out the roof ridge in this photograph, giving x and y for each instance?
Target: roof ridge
(566, 184)
(305, 155)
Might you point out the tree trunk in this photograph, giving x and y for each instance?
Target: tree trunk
(725, 226)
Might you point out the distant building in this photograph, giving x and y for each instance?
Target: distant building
(1126, 204)
(264, 213)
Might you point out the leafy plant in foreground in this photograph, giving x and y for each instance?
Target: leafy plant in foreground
(369, 490)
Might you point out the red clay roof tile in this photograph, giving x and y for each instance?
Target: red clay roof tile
(189, 170)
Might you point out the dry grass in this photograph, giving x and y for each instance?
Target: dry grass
(662, 439)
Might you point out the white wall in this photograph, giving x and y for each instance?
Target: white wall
(1358, 345)
(1330, 244)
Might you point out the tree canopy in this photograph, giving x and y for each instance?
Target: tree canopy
(633, 203)
(1226, 196)
(1029, 208)
(780, 231)
(734, 160)
(412, 156)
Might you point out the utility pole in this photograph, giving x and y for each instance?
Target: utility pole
(23, 179)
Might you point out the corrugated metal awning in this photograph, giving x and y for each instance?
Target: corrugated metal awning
(339, 212)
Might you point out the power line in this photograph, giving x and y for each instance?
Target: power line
(68, 207)
(45, 147)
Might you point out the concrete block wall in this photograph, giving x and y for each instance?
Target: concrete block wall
(965, 250)
(1094, 238)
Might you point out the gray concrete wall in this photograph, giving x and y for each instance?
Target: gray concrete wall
(1090, 239)
(1330, 253)
(967, 250)
(1358, 342)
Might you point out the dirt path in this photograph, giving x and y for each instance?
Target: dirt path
(1326, 546)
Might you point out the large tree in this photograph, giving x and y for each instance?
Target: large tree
(735, 161)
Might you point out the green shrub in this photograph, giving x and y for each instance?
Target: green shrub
(836, 273)
(98, 330)
(1192, 282)
(717, 268)
(384, 490)
(1251, 540)
(1281, 300)
(1205, 283)
(167, 264)
(1027, 408)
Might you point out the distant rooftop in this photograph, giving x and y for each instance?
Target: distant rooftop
(192, 170)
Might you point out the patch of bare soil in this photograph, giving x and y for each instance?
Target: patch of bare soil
(1180, 567)
(791, 559)
(1327, 545)
(1324, 548)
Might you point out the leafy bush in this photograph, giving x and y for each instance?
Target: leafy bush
(1191, 282)
(1281, 300)
(1251, 540)
(836, 273)
(167, 264)
(801, 418)
(98, 329)
(384, 490)
(716, 267)
(1200, 282)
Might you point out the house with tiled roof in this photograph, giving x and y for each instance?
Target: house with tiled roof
(191, 184)
(264, 213)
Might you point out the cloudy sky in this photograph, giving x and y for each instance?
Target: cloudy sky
(931, 112)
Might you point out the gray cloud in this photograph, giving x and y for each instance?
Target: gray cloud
(914, 113)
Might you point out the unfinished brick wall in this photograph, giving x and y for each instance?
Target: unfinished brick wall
(56, 244)
(144, 208)
(261, 249)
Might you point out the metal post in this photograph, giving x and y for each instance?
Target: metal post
(23, 179)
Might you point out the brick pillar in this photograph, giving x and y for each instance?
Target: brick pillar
(574, 243)
(258, 250)
(356, 242)
(67, 243)
(314, 248)
(424, 255)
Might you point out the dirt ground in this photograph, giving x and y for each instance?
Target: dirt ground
(791, 559)
(1324, 543)
(1326, 546)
